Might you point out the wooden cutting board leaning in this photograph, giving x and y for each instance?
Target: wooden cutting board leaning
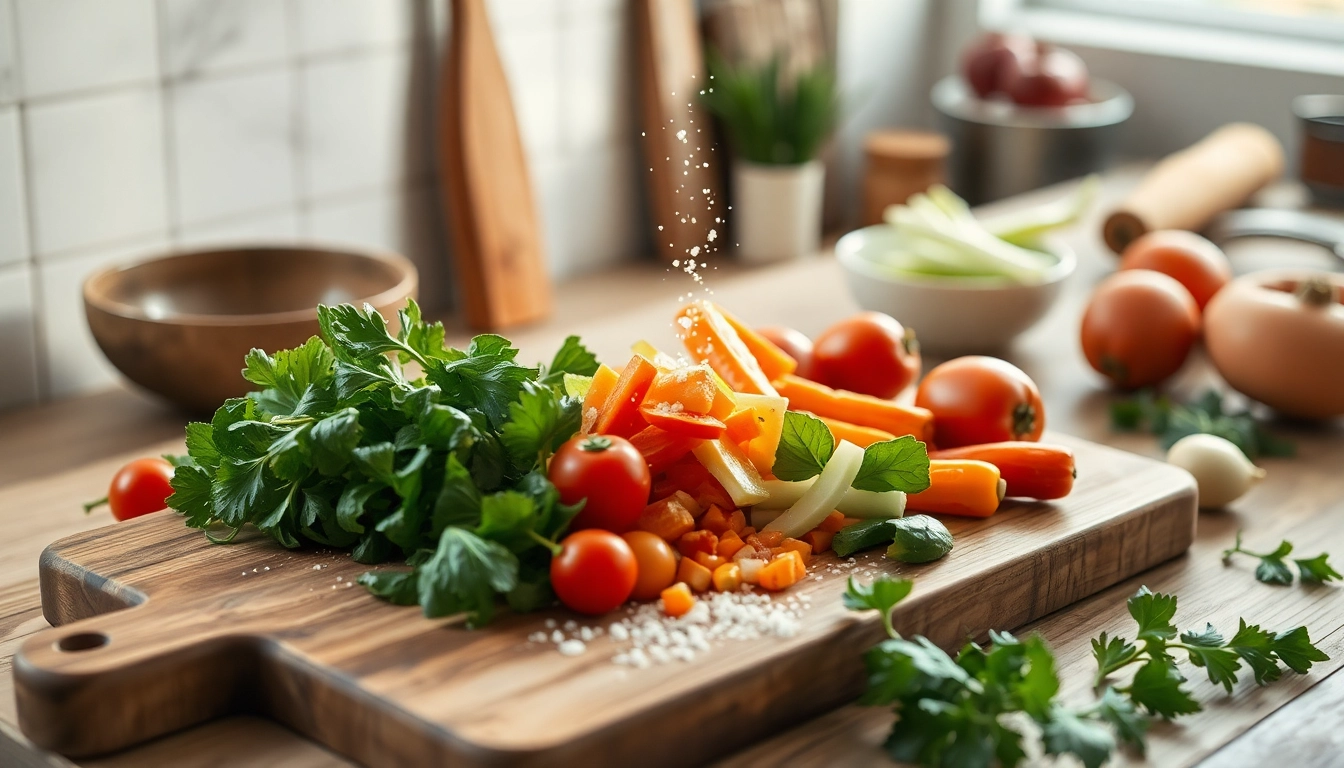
(185, 631)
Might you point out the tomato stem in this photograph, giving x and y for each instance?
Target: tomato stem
(92, 505)
(1024, 420)
(1315, 292)
(595, 444)
(556, 549)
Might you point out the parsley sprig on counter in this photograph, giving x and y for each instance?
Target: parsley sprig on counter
(961, 711)
(1206, 415)
(443, 467)
(1273, 568)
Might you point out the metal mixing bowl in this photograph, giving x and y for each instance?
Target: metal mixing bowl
(1000, 149)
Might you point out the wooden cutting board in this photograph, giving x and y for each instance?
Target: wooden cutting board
(251, 627)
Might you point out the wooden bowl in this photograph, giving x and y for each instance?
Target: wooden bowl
(180, 325)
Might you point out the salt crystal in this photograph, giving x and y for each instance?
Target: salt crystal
(557, 637)
(550, 623)
(572, 648)
(695, 250)
(586, 634)
(537, 637)
(618, 633)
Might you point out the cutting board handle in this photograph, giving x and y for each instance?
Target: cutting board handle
(185, 667)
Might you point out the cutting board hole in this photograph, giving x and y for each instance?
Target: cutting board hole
(84, 641)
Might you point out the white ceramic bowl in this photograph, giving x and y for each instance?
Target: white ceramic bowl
(950, 315)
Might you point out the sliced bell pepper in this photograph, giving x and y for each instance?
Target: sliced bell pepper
(744, 425)
(730, 466)
(774, 361)
(604, 381)
(861, 410)
(964, 487)
(660, 448)
(685, 424)
(709, 338)
(620, 415)
(761, 450)
(692, 388)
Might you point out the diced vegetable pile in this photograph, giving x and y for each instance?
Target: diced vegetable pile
(720, 469)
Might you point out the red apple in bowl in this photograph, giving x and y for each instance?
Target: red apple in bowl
(991, 60)
(1055, 77)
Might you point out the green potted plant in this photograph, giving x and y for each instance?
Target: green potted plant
(776, 125)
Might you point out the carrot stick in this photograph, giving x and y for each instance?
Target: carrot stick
(620, 413)
(857, 409)
(774, 361)
(860, 436)
(959, 487)
(710, 339)
(1031, 470)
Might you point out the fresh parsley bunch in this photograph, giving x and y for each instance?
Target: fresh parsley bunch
(1206, 415)
(441, 463)
(961, 711)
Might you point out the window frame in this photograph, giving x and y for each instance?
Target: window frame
(1296, 44)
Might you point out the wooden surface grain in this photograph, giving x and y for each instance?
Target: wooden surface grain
(253, 627)
(1302, 498)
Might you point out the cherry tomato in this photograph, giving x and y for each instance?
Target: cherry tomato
(609, 473)
(657, 564)
(139, 488)
(981, 400)
(1191, 260)
(692, 425)
(1139, 327)
(796, 344)
(869, 353)
(594, 572)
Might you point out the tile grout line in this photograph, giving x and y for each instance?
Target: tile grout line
(38, 330)
(168, 145)
(298, 125)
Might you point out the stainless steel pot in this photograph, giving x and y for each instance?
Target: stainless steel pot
(1000, 149)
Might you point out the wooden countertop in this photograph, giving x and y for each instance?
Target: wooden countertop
(53, 457)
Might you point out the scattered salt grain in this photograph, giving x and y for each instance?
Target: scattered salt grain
(618, 632)
(557, 637)
(550, 623)
(537, 637)
(572, 648)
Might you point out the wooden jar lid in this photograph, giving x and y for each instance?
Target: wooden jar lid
(906, 148)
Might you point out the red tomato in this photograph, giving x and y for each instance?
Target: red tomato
(608, 474)
(869, 353)
(595, 571)
(1139, 327)
(139, 488)
(1191, 260)
(685, 424)
(796, 344)
(657, 564)
(981, 400)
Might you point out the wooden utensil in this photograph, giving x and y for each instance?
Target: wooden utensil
(181, 325)
(1187, 189)
(208, 630)
(683, 177)
(496, 235)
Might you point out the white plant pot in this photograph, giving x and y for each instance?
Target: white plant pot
(777, 210)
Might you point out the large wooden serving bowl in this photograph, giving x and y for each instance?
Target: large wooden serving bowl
(180, 325)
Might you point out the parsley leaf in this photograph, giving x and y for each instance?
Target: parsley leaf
(1206, 414)
(1273, 567)
(1154, 613)
(894, 465)
(1112, 654)
(441, 467)
(805, 447)
(1157, 688)
(463, 576)
(882, 594)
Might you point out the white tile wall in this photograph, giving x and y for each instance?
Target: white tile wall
(329, 26)
(13, 222)
(232, 141)
(18, 383)
(128, 127)
(96, 169)
(72, 362)
(9, 73)
(356, 118)
(78, 45)
(204, 36)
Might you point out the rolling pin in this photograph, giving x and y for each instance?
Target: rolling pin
(1187, 189)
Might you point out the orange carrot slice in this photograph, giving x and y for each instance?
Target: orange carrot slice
(860, 436)
(774, 361)
(861, 410)
(962, 487)
(745, 425)
(620, 415)
(692, 388)
(710, 339)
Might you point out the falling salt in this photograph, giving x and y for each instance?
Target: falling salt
(695, 251)
(681, 135)
(712, 235)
